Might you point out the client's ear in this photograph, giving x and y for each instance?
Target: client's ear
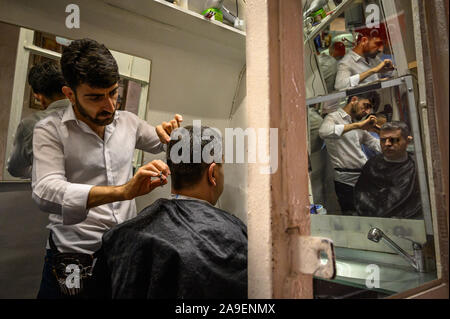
(211, 174)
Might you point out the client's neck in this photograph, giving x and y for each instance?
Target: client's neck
(400, 159)
(56, 98)
(195, 192)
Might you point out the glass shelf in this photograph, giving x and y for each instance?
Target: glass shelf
(373, 86)
(183, 21)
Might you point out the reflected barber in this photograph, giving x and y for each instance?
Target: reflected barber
(82, 168)
(344, 132)
(46, 81)
(363, 63)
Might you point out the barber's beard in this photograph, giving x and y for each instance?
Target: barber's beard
(95, 120)
(369, 55)
(355, 116)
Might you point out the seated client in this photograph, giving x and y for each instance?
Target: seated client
(182, 247)
(388, 185)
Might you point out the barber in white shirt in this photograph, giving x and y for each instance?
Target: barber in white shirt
(343, 133)
(362, 64)
(82, 168)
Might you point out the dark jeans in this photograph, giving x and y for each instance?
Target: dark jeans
(345, 195)
(49, 288)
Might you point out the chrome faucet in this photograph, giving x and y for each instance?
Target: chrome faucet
(417, 260)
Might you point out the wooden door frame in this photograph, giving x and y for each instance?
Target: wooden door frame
(276, 98)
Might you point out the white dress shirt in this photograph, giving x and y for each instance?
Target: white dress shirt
(21, 160)
(328, 67)
(351, 66)
(345, 149)
(69, 159)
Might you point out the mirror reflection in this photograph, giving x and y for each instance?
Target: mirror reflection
(362, 143)
(42, 95)
(368, 182)
(369, 158)
(348, 50)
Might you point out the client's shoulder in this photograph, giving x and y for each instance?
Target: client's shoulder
(141, 222)
(216, 214)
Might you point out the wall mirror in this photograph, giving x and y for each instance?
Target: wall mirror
(33, 47)
(382, 228)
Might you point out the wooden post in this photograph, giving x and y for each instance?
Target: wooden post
(276, 82)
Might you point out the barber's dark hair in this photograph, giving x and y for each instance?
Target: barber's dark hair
(397, 125)
(370, 33)
(46, 78)
(87, 61)
(372, 96)
(183, 174)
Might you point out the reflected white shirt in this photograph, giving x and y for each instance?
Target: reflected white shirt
(328, 67)
(345, 149)
(20, 162)
(69, 159)
(351, 66)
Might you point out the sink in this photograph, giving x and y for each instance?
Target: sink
(392, 279)
(351, 269)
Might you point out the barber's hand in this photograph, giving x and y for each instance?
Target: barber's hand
(146, 179)
(165, 129)
(369, 123)
(385, 66)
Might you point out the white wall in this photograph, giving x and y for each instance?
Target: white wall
(260, 265)
(234, 197)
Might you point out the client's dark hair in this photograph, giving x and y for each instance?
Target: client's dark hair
(46, 78)
(87, 61)
(397, 125)
(188, 169)
(381, 114)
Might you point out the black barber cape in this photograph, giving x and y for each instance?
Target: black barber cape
(176, 248)
(387, 189)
